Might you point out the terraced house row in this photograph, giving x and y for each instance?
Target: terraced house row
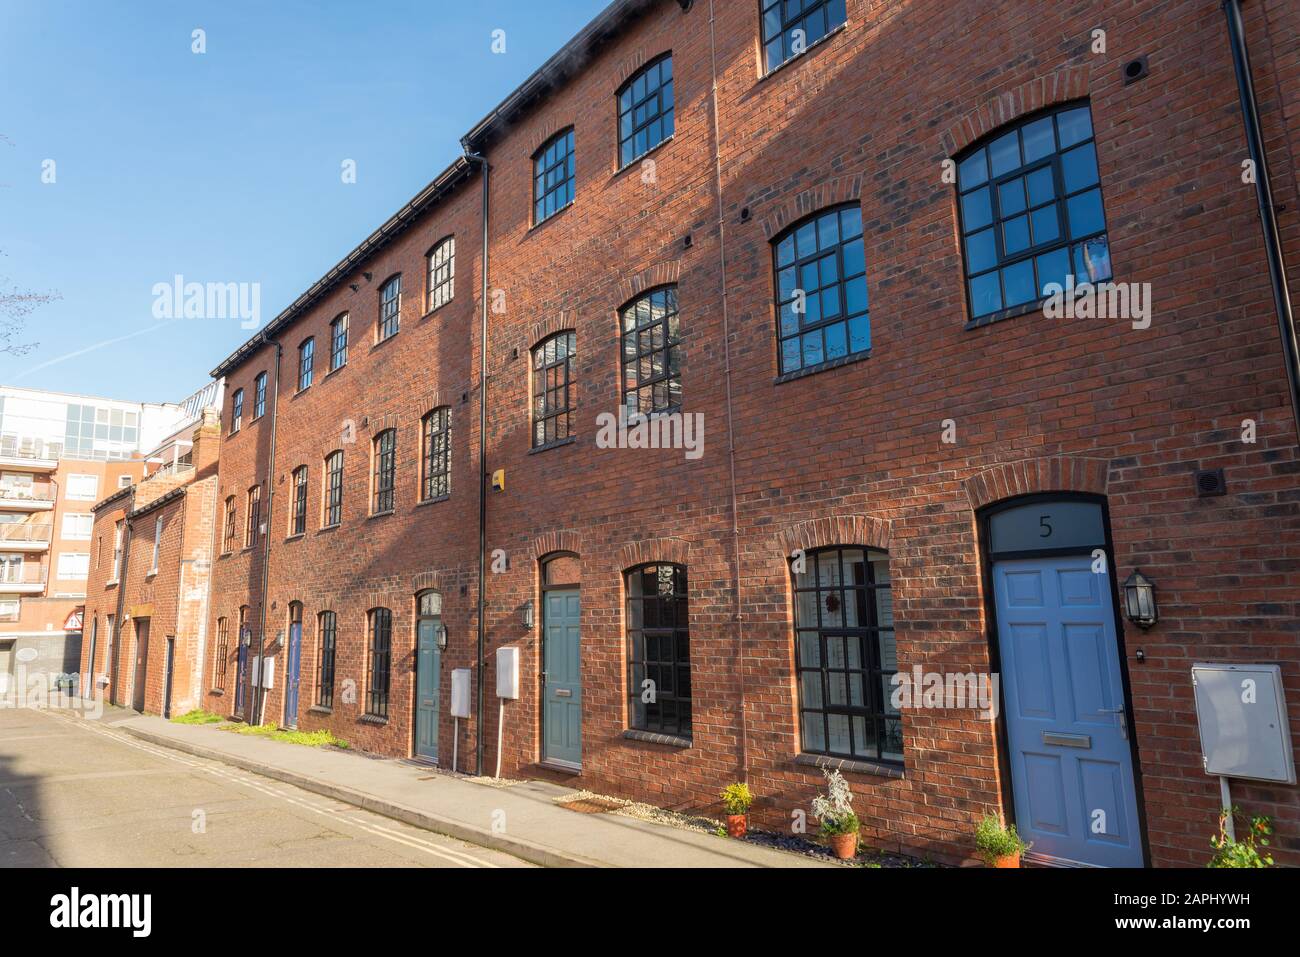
(816, 238)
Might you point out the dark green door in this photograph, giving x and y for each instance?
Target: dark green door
(562, 678)
(428, 674)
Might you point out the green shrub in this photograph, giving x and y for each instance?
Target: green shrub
(1229, 852)
(198, 716)
(736, 798)
(993, 841)
(312, 739)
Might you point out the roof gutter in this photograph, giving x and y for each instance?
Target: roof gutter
(1267, 208)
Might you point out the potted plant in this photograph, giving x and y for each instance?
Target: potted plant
(736, 799)
(999, 846)
(1232, 852)
(834, 811)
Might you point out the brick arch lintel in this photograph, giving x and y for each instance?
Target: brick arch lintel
(1060, 86)
(1055, 473)
(660, 274)
(561, 321)
(830, 192)
(865, 530)
(676, 551)
(428, 580)
(561, 540)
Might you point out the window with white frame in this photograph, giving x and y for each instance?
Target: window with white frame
(77, 526)
(73, 565)
(157, 541)
(83, 488)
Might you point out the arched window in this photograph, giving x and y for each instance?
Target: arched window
(553, 399)
(326, 639)
(381, 644)
(236, 411)
(332, 490)
(442, 273)
(821, 290)
(298, 505)
(553, 174)
(658, 650)
(428, 604)
(390, 308)
(306, 363)
(435, 460)
(228, 538)
(339, 342)
(561, 570)
(645, 110)
(222, 654)
(652, 354)
(845, 655)
(385, 471)
(259, 396)
(791, 28)
(1031, 212)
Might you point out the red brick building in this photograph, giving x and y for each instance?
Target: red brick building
(149, 585)
(816, 244)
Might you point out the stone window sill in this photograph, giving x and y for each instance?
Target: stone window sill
(880, 769)
(653, 737)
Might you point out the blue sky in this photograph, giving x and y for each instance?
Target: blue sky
(223, 166)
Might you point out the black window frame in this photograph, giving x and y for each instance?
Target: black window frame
(668, 630)
(332, 490)
(339, 342)
(628, 101)
(874, 677)
(435, 454)
(546, 384)
(390, 308)
(259, 396)
(306, 363)
(544, 165)
(326, 645)
(383, 494)
(1035, 252)
(254, 515)
(786, 21)
(440, 285)
(230, 533)
(379, 662)
(651, 335)
(223, 653)
(237, 411)
(298, 504)
(846, 216)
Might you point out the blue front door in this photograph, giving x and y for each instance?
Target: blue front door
(1071, 766)
(562, 678)
(428, 679)
(241, 674)
(292, 676)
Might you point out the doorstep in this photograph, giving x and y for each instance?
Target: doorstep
(517, 817)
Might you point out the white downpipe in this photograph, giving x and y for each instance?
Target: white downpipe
(501, 721)
(455, 747)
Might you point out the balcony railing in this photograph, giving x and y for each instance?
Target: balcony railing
(24, 532)
(26, 493)
(28, 573)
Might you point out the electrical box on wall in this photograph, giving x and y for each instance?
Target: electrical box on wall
(508, 672)
(460, 693)
(1241, 713)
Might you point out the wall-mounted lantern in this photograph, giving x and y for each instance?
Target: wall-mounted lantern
(442, 637)
(526, 614)
(1140, 600)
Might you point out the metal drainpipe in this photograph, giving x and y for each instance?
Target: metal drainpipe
(739, 616)
(121, 595)
(482, 163)
(1264, 195)
(258, 695)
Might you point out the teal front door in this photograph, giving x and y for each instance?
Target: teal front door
(561, 678)
(428, 674)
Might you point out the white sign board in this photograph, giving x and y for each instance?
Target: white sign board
(508, 672)
(1241, 713)
(460, 693)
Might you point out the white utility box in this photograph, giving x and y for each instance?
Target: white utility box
(460, 693)
(1241, 712)
(508, 672)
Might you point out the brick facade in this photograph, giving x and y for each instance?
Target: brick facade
(851, 455)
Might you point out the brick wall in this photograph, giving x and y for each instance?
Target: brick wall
(850, 456)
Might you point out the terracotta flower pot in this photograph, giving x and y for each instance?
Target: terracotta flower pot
(845, 846)
(736, 825)
(1007, 860)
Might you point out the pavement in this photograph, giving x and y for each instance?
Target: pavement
(74, 793)
(517, 818)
